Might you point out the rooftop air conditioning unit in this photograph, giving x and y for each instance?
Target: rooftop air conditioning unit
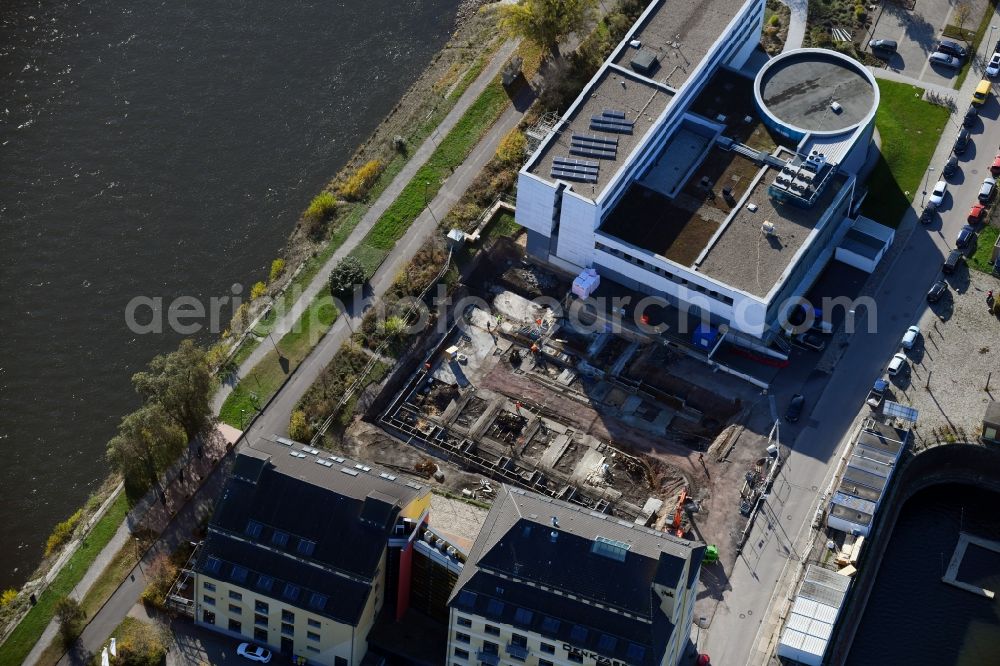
(836, 107)
(767, 228)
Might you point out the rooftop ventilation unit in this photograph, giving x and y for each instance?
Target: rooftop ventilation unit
(767, 228)
(836, 107)
(645, 62)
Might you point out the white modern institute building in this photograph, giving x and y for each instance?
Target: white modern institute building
(693, 168)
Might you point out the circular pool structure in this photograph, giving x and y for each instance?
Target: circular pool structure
(815, 91)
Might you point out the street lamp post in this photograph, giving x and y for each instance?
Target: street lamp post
(138, 555)
(927, 177)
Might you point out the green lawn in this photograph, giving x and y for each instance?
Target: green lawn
(984, 249)
(267, 376)
(23, 638)
(910, 129)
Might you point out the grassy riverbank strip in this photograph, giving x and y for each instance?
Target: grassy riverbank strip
(29, 630)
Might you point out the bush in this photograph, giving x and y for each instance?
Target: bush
(346, 275)
(62, 533)
(512, 147)
(357, 185)
(277, 270)
(321, 207)
(160, 574)
(140, 644)
(8, 597)
(298, 428)
(257, 290)
(774, 21)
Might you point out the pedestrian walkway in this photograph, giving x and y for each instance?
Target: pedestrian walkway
(796, 23)
(893, 75)
(319, 282)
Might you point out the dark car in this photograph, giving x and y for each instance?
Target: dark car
(887, 46)
(927, 215)
(937, 290)
(965, 236)
(970, 116)
(812, 341)
(795, 406)
(951, 166)
(951, 263)
(961, 141)
(945, 60)
(952, 48)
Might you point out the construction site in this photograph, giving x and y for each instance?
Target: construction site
(615, 421)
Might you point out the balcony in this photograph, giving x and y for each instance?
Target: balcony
(518, 652)
(490, 658)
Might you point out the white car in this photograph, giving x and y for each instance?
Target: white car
(910, 337)
(896, 364)
(254, 653)
(937, 194)
(993, 68)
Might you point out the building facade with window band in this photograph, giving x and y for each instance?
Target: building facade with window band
(305, 550)
(550, 583)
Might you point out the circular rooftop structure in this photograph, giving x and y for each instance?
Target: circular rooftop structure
(815, 91)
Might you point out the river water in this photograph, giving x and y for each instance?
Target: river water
(160, 149)
(912, 617)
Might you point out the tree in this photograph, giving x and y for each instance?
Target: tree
(346, 275)
(181, 382)
(140, 643)
(70, 617)
(545, 22)
(963, 10)
(512, 147)
(148, 441)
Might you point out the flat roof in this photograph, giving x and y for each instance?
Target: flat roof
(640, 100)
(681, 36)
(800, 89)
(746, 259)
(862, 244)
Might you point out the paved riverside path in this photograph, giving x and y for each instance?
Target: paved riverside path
(319, 282)
(274, 419)
(796, 23)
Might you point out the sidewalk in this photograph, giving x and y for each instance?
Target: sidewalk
(796, 23)
(388, 196)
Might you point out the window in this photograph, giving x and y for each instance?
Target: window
(287, 629)
(310, 648)
(575, 657)
(578, 634)
(550, 625)
(279, 538)
(260, 634)
(306, 547)
(260, 607)
(208, 599)
(260, 620)
(339, 661)
(213, 565)
(318, 601)
(253, 529)
(491, 630)
(207, 616)
(461, 654)
(463, 621)
(491, 648)
(989, 432)
(291, 592)
(239, 573)
(519, 640)
(235, 596)
(265, 582)
(548, 649)
(235, 610)
(313, 636)
(236, 625)
(209, 586)
(544, 662)
(523, 616)
(315, 623)
(462, 638)
(287, 616)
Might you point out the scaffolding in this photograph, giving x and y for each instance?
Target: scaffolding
(540, 130)
(175, 600)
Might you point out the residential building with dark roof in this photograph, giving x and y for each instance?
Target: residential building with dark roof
(305, 549)
(549, 583)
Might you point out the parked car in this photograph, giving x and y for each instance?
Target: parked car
(812, 341)
(937, 290)
(951, 166)
(254, 653)
(987, 190)
(927, 215)
(964, 236)
(944, 60)
(952, 48)
(951, 263)
(977, 213)
(961, 141)
(910, 337)
(995, 167)
(982, 92)
(993, 68)
(970, 116)
(937, 194)
(886, 46)
(896, 365)
(795, 406)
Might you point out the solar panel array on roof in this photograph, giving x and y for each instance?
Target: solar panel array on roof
(612, 121)
(570, 169)
(585, 145)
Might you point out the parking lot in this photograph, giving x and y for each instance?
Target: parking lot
(917, 32)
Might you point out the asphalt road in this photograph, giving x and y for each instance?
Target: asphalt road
(781, 533)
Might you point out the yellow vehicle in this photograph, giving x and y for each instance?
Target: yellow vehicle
(982, 92)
